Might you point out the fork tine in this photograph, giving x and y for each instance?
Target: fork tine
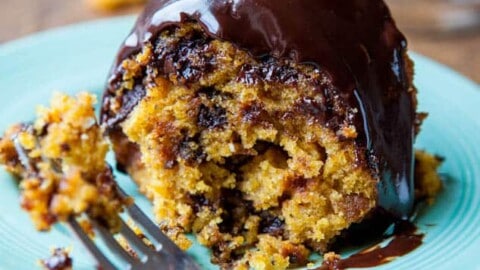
(112, 243)
(149, 227)
(166, 255)
(163, 243)
(136, 242)
(152, 230)
(22, 155)
(90, 245)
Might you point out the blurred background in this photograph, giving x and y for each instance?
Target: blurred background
(445, 30)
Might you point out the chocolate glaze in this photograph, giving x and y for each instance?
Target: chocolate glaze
(405, 239)
(356, 43)
(129, 100)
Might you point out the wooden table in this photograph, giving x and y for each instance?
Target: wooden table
(457, 49)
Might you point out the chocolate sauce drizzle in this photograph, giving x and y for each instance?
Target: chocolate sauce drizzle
(355, 42)
(405, 239)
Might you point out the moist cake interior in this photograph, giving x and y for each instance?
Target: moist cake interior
(238, 150)
(264, 128)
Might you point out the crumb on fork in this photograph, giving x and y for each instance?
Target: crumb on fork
(66, 173)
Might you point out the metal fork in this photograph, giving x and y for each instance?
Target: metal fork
(164, 254)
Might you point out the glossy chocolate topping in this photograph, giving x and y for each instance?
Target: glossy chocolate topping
(355, 42)
(405, 239)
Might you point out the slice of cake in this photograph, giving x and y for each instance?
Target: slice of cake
(266, 128)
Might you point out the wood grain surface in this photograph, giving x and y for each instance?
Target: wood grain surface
(439, 29)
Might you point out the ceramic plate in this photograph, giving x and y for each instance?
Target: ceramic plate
(78, 58)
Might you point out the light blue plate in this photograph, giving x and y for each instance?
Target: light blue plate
(78, 58)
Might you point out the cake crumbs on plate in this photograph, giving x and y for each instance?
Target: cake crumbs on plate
(59, 260)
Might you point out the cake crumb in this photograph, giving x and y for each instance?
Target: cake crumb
(427, 179)
(59, 160)
(59, 260)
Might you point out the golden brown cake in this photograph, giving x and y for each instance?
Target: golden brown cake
(266, 128)
(427, 180)
(50, 193)
(60, 160)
